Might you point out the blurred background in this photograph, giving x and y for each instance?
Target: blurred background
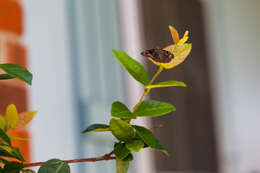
(67, 45)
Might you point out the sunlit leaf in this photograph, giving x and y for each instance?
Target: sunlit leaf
(14, 70)
(135, 145)
(119, 110)
(132, 66)
(11, 116)
(167, 84)
(97, 128)
(122, 130)
(152, 108)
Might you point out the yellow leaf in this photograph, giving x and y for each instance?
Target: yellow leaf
(175, 34)
(11, 116)
(24, 118)
(2, 122)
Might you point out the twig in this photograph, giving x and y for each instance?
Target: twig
(94, 159)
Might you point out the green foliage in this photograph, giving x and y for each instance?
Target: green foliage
(13, 167)
(121, 151)
(96, 128)
(6, 76)
(148, 138)
(132, 66)
(122, 130)
(122, 166)
(119, 110)
(16, 71)
(54, 166)
(135, 145)
(4, 137)
(152, 108)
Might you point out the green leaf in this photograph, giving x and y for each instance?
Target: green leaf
(119, 110)
(130, 157)
(6, 76)
(4, 137)
(12, 152)
(17, 71)
(132, 66)
(148, 137)
(135, 145)
(96, 128)
(13, 167)
(122, 166)
(167, 84)
(122, 130)
(152, 108)
(54, 166)
(28, 171)
(121, 151)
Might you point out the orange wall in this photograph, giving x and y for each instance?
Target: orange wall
(12, 50)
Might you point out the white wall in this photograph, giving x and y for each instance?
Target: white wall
(235, 37)
(47, 41)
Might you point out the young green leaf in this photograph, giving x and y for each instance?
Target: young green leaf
(148, 138)
(14, 70)
(4, 137)
(97, 128)
(152, 108)
(132, 66)
(54, 166)
(167, 84)
(119, 110)
(122, 130)
(135, 145)
(121, 151)
(122, 166)
(11, 116)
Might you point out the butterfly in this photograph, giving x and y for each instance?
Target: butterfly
(158, 55)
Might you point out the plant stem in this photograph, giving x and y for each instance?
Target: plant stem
(146, 91)
(94, 159)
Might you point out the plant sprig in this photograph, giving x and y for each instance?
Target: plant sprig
(130, 138)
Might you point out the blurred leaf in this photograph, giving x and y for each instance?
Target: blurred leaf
(132, 66)
(14, 70)
(122, 166)
(11, 116)
(96, 128)
(28, 171)
(167, 84)
(135, 145)
(54, 166)
(9, 151)
(152, 108)
(13, 167)
(121, 151)
(4, 137)
(148, 138)
(6, 76)
(2, 122)
(119, 110)
(122, 130)
(18, 138)
(130, 157)
(24, 118)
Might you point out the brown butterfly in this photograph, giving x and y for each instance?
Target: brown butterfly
(158, 55)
